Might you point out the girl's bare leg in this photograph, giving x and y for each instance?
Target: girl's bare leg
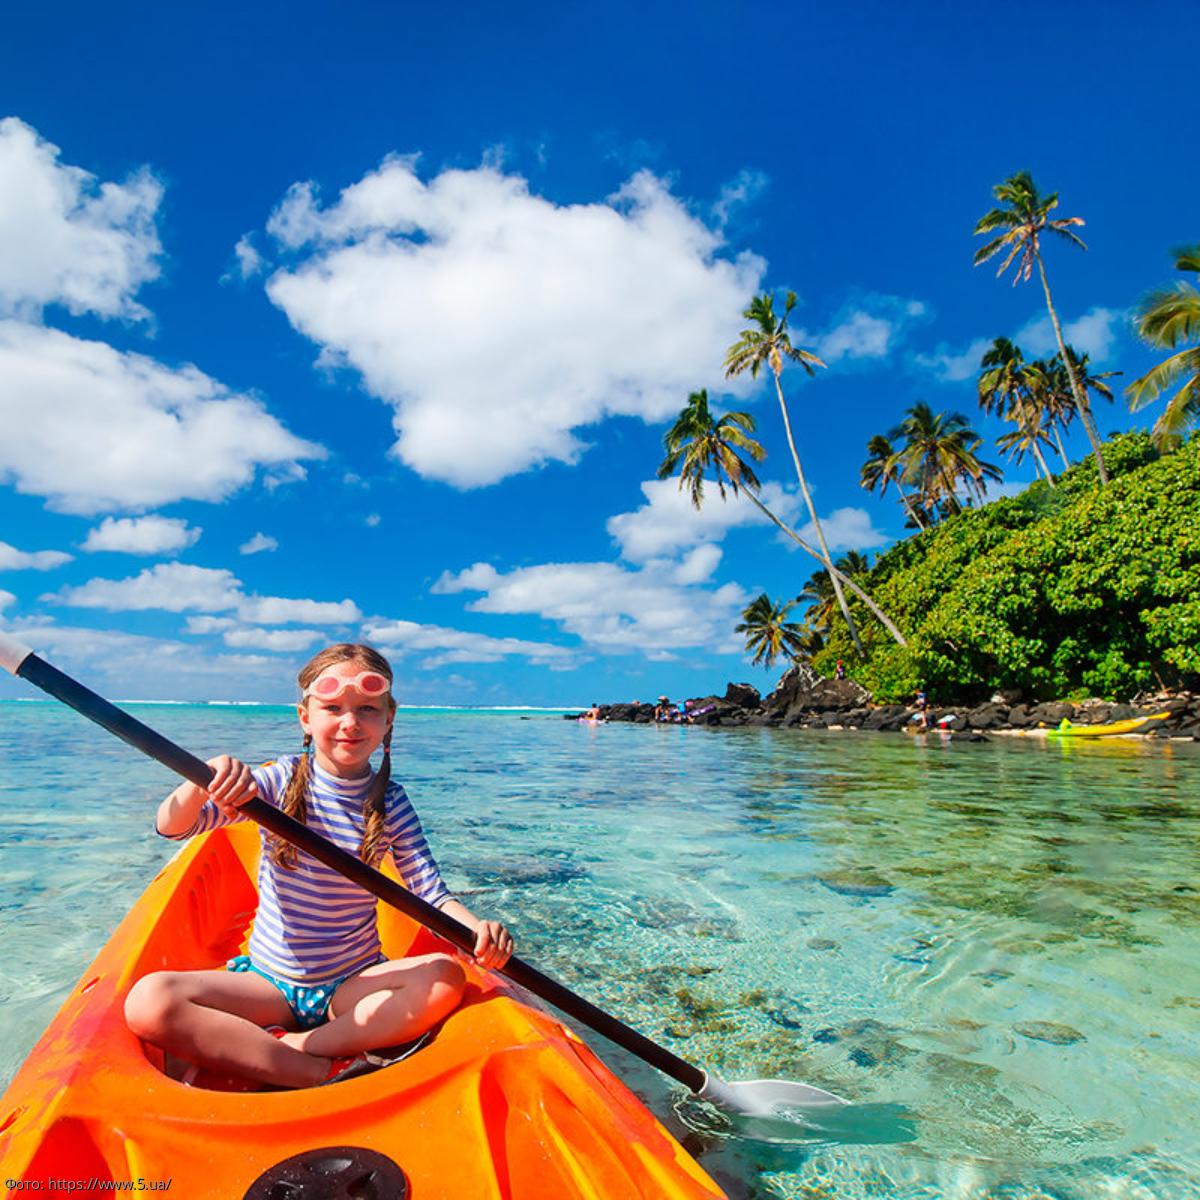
(215, 1019)
(389, 1003)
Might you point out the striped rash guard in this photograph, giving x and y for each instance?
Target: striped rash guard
(313, 925)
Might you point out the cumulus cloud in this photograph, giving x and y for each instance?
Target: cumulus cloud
(668, 521)
(12, 559)
(1092, 334)
(496, 323)
(461, 646)
(869, 327)
(6, 598)
(178, 587)
(846, 529)
(271, 639)
(65, 237)
(204, 625)
(172, 587)
(248, 262)
(275, 610)
(142, 535)
(258, 543)
(117, 663)
(953, 366)
(652, 611)
(91, 428)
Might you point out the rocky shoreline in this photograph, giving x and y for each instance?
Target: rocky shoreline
(805, 699)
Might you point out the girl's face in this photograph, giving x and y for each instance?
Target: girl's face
(346, 731)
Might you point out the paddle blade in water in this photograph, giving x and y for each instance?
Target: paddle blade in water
(765, 1097)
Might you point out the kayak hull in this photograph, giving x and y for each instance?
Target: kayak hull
(504, 1102)
(1112, 729)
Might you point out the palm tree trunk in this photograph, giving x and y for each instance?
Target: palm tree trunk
(1041, 458)
(1062, 453)
(812, 512)
(1081, 403)
(908, 508)
(834, 574)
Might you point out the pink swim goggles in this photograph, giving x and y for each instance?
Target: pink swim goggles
(330, 687)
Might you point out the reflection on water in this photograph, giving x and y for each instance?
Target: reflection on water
(999, 937)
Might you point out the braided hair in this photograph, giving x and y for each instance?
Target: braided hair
(295, 796)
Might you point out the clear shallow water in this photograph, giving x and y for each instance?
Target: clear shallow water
(1001, 937)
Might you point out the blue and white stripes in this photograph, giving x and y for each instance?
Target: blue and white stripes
(313, 925)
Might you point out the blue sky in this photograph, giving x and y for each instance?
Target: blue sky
(323, 321)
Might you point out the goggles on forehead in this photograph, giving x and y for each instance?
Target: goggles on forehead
(330, 687)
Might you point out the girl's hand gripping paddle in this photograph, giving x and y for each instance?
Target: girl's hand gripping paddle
(760, 1097)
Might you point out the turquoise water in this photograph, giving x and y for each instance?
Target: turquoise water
(1002, 938)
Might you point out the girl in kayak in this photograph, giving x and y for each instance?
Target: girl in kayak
(314, 994)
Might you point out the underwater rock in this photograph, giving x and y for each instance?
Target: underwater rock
(821, 944)
(1048, 1031)
(523, 870)
(856, 883)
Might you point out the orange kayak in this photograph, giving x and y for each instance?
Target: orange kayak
(504, 1103)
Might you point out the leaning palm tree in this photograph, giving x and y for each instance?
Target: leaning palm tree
(1022, 219)
(882, 468)
(1006, 386)
(817, 593)
(1050, 391)
(699, 443)
(939, 453)
(769, 634)
(1024, 439)
(767, 343)
(1166, 318)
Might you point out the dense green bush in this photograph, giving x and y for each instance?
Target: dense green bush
(1055, 591)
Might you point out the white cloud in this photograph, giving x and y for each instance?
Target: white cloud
(560, 315)
(177, 587)
(275, 610)
(91, 428)
(173, 587)
(610, 608)
(460, 645)
(67, 239)
(846, 529)
(745, 187)
(258, 543)
(372, 520)
(698, 564)
(12, 559)
(203, 625)
(668, 521)
(133, 665)
(950, 366)
(249, 262)
(272, 639)
(1092, 334)
(870, 327)
(6, 598)
(142, 535)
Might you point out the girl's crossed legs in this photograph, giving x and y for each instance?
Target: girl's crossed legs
(216, 1018)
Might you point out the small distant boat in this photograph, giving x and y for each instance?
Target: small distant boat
(1132, 725)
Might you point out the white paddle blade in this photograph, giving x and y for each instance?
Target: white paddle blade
(765, 1097)
(12, 652)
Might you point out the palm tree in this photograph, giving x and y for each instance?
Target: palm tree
(767, 343)
(769, 633)
(1050, 390)
(1023, 219)
(698, 443)
(1006, 387)
(1165, 318)
(818, 593)
(1025, 438)
(938, 453)
(882, 468)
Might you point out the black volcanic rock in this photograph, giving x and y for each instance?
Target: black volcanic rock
(742, 695)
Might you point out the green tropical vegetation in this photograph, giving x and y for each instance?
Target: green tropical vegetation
(1087, 582)
(1165, 319)
(1079, 589)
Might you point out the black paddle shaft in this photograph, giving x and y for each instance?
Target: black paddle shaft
(129, 729)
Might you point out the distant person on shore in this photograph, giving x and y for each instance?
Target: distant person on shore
(593, 713)
(921, 717)
(664, 710)
(840, 670)
(314, 993)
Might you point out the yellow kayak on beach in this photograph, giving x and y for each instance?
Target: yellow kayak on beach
(1132, 725)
